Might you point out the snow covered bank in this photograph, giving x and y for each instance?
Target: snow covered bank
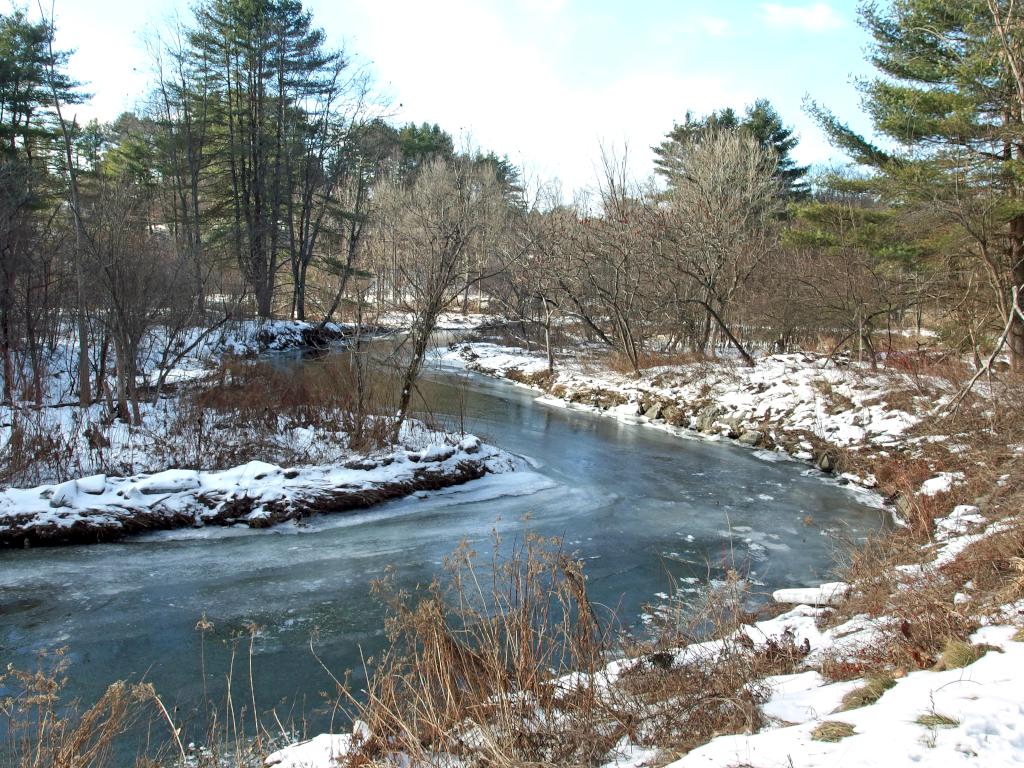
(255, 495)
(795, 403)
(446, 321)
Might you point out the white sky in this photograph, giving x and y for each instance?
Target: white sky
(545, 81)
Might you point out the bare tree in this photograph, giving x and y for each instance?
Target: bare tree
(137, 275)
(603, 262)
(720, 225)
(428, 225)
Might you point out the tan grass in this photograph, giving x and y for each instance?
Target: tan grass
(868, 693)
(958, 654)
(937, 720)
(832, 731)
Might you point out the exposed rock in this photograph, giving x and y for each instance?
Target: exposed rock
(675, 416)
(707, 417)
(751, 437)
(654, 412)
(826, 461)
(901, 504)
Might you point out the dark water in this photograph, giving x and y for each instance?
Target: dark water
(643, 508)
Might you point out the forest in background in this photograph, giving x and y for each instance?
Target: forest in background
(262, 179)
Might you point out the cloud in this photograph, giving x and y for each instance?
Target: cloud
(714, 26)
(818, 17)
(544, 7)
(459, 66)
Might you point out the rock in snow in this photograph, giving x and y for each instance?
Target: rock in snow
(824, 594)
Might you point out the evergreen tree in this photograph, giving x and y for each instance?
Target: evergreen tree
(265, 63)
(421, 144)
(763, 123)
(950, 97)
(506, 174)
(32, 75)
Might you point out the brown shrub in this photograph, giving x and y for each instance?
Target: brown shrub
(44, 732)
(507, 665)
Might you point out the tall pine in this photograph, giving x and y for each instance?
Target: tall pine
(265, 63)
(949, 96)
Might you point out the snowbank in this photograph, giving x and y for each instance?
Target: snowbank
(824, 594)
(255, 495)
(968, 716)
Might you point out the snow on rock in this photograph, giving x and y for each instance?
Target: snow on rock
(824, 594)
(797, 403)
(958, 522)
(63, 495)
(171, 481)
(254, 337)
(941, 483)
(94, 484)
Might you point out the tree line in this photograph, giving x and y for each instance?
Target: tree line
(262, 179)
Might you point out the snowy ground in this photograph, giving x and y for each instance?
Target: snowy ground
(972, 715)
(97, 478)
(793, 403)
(797, 403)
(447, 321)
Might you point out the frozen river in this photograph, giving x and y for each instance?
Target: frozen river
(643, 508)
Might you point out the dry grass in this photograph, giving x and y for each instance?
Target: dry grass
(832, 731)
(474, 665)
(244, 410)
(957, 654)
(506, 664)
(129, 723)
(868, 693)
(936, 720)
(39, 449)
(914, 615)
(44, 732)
(248, 410)
(994, 565)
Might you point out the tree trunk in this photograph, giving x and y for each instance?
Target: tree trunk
(412, 372)
(547, 338)
(122, 381)
(1016, 338)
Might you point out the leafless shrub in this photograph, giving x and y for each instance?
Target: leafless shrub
(249, 410)
(509, 665)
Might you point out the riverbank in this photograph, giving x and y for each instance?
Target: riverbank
(816, 410)
(99, 508)
(263, 444)
(914, 658)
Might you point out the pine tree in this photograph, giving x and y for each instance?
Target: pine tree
(32, 74)
(761, 120)
(950, 98)
(421, 144)
(265, 63)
